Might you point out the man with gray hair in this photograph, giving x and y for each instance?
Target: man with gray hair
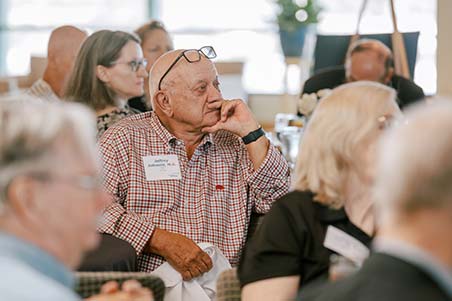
(50, 200)
(413, 194)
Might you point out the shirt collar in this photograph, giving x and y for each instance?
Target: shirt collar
(35, 257)
(170, 139)
(419, 258)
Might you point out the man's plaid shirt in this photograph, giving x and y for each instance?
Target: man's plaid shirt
(211, 203)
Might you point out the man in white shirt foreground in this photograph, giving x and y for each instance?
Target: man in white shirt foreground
(50, 201)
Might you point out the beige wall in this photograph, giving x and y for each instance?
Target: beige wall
(444, 51)
(265, 107)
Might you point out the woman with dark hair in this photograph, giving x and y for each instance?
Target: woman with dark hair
(155, 41)
(109, 70)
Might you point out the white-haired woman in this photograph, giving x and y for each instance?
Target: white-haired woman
(332, 182)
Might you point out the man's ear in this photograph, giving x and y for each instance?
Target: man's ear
(102, 73)
(20, 195)
(163, 103)
(388, 75)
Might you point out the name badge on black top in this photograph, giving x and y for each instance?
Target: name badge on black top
(346, 245)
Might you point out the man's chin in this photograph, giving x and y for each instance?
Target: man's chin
(212, 118)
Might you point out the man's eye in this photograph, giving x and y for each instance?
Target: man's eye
(133, 64)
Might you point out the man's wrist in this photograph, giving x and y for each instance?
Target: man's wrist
(253, 135)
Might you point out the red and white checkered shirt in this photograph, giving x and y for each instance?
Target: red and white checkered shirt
(213, 200)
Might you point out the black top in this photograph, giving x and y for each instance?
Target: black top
(290, 240)
(112, 254)
(407, 91)
(139, 103)
(382, 277)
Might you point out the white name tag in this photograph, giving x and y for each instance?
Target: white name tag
(165, 167)
(345, 245)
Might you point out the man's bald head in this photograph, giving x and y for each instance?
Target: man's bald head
(369, 59)
(160, 66)
(64, 44)
(180, 72)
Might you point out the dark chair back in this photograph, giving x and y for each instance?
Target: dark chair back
(330, 50)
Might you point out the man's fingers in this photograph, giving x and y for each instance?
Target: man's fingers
(226, 109)
(109, 287)
(195, 271)
(212, 129)
(131, 285)
(186, 275)
(207, 261)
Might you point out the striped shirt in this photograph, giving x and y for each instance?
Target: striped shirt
(42, 90)
(213, 200)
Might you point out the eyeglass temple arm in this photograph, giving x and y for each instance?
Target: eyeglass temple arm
(169, 68)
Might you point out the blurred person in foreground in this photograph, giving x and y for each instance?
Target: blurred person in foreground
(330, 202)
(190, 171)
(367, 59)
(109, 70)
(412, 253)
(64, 44)
(155, 41)
(51, 199)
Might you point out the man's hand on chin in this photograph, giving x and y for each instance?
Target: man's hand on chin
(235, 117)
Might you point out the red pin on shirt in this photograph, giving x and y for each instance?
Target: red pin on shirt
(219, 187)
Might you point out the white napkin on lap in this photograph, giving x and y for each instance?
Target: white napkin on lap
(202, 288)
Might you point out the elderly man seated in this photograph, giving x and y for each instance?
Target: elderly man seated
(412, 257)
(367, 59)
(50, 201)
(192, 171)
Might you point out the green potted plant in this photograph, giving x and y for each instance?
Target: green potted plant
(294, 17)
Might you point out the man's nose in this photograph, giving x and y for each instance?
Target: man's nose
(214, 94)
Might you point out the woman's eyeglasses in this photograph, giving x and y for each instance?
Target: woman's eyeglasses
(134, 65)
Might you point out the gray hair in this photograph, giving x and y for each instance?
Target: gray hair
(415, 166)
(340, 123)
(29, 130)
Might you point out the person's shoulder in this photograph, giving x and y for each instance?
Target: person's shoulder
(295, 206)
(382, 277)
(407, 90)
(296, 200)
(327, 78)
(38, 286)
(126, 126)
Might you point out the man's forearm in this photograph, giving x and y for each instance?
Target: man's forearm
(257, 151)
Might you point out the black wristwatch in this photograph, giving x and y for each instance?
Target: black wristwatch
(253, 136)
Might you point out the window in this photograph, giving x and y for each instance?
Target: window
(239, 30)
(243, 30)
(25, 25)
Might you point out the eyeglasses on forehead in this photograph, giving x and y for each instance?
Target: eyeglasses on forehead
(192, 56)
